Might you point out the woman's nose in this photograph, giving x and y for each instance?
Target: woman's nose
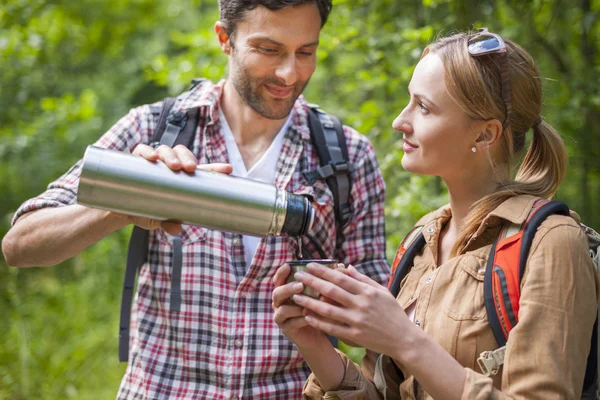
(401, 123)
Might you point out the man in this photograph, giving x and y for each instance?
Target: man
(223, 343)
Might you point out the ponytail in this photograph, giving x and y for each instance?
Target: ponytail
(539, 175)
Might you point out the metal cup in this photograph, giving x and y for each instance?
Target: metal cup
(300, 265)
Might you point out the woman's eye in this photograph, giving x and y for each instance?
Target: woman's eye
(423, 108)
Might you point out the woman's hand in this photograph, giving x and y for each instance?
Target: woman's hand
(359, 310)
(289, 316)
(318, 352)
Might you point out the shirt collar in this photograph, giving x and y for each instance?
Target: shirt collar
(515, 210)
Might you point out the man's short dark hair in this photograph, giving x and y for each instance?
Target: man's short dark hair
(233, 11)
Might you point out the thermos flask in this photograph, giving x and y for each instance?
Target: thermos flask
(129, 184)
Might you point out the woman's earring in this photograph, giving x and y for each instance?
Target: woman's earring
(473, 149)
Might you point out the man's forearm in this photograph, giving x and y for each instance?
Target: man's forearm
(49, 236)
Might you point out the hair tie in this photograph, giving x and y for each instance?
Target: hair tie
(537, 122)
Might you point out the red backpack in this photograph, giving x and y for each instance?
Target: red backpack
(502, 281)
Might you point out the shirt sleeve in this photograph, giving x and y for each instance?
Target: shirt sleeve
(134, 128)
(364, 236)
(547, 350)
(355, 386)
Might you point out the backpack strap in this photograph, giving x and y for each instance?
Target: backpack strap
(412, 244)
(502, 287)
(506, 266)
(327, 135)
(173, 128)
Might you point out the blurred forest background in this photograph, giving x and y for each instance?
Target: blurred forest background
(70, 69)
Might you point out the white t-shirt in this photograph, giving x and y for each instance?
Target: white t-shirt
(263, 171)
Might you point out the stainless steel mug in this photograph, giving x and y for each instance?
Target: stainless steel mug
(129, 184)
(300, 265)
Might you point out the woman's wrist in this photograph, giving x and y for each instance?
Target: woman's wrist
(410, 348)
(325, 363)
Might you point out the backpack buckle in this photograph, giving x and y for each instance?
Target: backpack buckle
(177, 119)
(327, 171)
(490, 361)
(340, 167)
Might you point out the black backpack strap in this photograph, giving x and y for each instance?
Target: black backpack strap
(539, 212)
(327, 134)
(136, 257)
(532, 225)
(171, 129)
(560, 208)
(538, 216)
(406, 263)
(161, 125)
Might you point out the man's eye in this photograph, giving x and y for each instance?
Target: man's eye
(267, 50)
(306, 53)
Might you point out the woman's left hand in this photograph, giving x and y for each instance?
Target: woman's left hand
(362, 311)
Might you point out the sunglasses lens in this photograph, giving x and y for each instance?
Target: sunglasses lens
(483, 44)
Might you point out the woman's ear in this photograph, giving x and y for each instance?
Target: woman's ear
(223, 36)
(490, 132)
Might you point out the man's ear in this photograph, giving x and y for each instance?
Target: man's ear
(490, 133)
(223, 36)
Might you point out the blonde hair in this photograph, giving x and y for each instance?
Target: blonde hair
(475, 84)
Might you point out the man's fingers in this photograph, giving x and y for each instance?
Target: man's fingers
(188, 161)
(171, 227)
(145, 151)
(169, 157)
(217, 167)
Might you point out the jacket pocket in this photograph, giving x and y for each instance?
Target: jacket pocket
(465, 296)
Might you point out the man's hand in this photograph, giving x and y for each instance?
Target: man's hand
(177, 158)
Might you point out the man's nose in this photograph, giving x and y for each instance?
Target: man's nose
(286, 71)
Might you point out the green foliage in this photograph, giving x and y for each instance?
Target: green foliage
(70, 69)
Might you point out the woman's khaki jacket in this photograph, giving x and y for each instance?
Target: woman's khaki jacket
(546, 351)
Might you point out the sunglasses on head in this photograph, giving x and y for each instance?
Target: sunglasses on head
(482, 43)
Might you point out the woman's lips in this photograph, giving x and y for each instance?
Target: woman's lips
(408, 146)
(280, 92)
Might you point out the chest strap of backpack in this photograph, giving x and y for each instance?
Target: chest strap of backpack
(327, 134)
(173, 128)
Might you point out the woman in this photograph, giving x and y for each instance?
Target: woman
(474, 98)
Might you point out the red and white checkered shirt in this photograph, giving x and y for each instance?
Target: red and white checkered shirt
(223, 343)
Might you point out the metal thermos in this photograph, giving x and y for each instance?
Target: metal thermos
(129, 184)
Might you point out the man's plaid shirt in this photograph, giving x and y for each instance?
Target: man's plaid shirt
(223, 343)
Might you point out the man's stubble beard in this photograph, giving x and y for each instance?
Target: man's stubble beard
(243, 84)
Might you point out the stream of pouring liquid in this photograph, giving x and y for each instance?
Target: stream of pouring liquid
(300, 255)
